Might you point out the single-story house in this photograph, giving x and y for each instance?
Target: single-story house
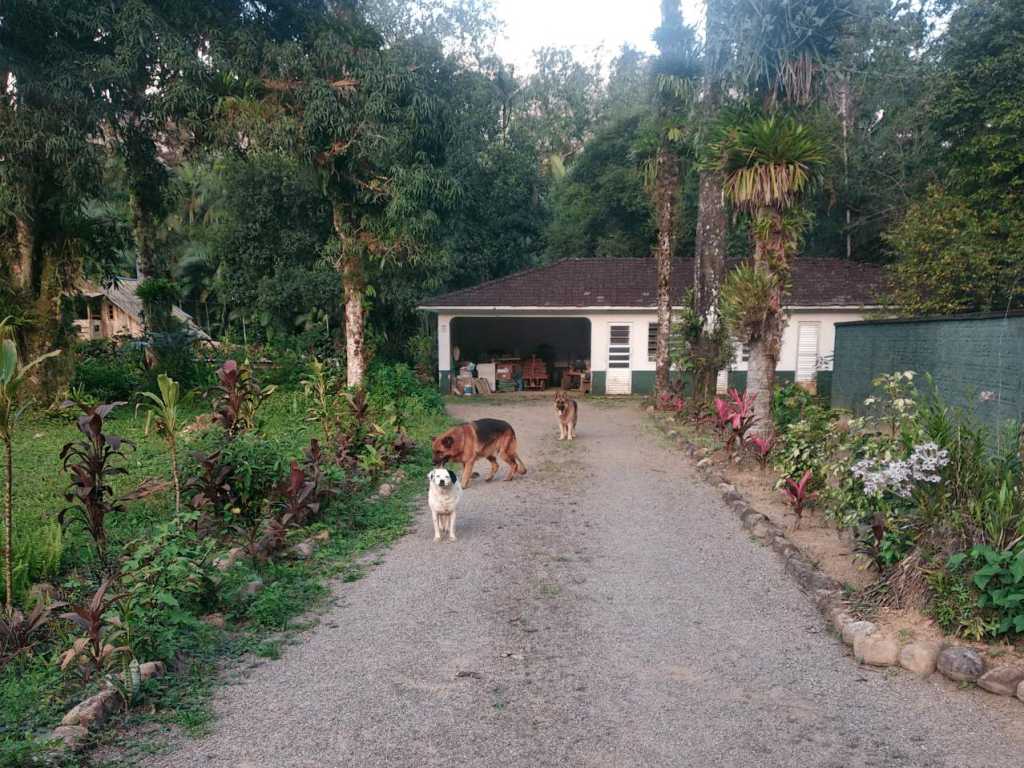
(599, 315)
(108, 312)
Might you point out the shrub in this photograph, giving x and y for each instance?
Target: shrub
(998, 577)
(174, 354)
(237, 397)
(396, 384)
(162, 582)
(107, 372)
(788, 405)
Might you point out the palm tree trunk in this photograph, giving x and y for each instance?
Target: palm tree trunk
(8, 526)
(666, 185)
(353, 281)
(761, 383)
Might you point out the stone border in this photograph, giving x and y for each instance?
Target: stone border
(958, 663)
(92, 713)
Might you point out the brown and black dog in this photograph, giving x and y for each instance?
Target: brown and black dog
(484, 437)
(568, 413)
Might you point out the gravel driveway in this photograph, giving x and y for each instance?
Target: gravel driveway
(605, 610)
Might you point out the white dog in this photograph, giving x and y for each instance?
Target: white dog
(444, 495)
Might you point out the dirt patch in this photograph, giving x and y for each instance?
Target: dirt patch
(816, 537)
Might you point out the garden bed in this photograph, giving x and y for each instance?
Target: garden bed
(177, 594)
(896, 594)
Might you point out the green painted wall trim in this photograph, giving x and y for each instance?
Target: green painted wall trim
(597, 382)
(738, 379)
(444, 382)
(643, 381)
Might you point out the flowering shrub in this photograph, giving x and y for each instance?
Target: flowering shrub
(899, 476)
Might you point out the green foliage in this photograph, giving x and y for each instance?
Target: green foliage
(999, 577)
(954, 604)
(106, 372)
(163, 581)
(396, 386)
(158, 295)
(768, 162)
(178, 357)
(789, 403)
(955, 258)
(801, 444)
(601, 208)
(748, 301)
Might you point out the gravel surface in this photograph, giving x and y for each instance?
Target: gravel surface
(605, 610)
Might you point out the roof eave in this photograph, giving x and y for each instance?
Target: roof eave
(602, 308)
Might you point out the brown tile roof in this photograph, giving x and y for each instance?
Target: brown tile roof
(631, 283)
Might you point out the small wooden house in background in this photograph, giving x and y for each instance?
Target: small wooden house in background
(116, 312)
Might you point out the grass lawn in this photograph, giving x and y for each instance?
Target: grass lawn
(34, 693)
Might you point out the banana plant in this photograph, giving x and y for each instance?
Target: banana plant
(164, 412)
(12, 375)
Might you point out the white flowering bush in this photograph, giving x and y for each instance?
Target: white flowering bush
(899, 476)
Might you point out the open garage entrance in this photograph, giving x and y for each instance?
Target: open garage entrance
(512, 343)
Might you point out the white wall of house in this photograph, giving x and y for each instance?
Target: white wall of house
(818, 335)
(822, 320)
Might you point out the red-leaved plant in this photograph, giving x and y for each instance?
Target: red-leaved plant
(735, 416)
(798, 495)
(94, 651)
(670, 401)
(238, 396)
(92, 463)
(762, 447)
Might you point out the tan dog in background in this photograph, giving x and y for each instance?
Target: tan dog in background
(568, 413)
(484, 437)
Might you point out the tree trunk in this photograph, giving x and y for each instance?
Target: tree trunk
(769, 256)
(712, 224)
(8, 526)
(666, 185)
(353, 281)
(761, 382)
(24, 258)
(144, 233)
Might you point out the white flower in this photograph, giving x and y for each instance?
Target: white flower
(986, 395)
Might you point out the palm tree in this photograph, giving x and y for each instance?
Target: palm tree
(768, 164)
(676, 70)
(12, 375)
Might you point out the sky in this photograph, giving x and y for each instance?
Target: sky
(584, 25)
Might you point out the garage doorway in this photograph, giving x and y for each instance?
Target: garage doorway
(562, 343)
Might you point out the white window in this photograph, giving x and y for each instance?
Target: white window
(807, 351)
(652, 342)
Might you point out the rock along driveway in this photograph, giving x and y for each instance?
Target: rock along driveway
(605, 610)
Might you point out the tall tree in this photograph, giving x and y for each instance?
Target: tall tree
(674, 70)
(712, 225)
(50, 167)
(768, 164)
(369, 120)
(158, 71)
